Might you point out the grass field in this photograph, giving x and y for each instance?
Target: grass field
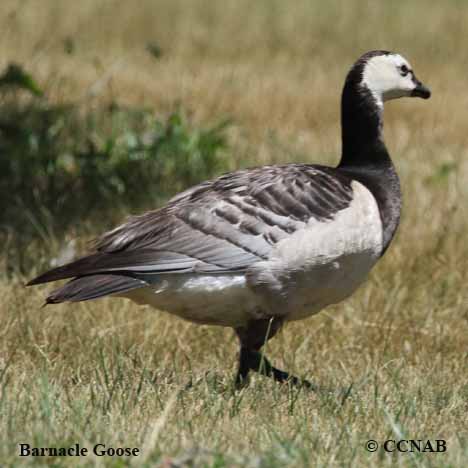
(390, 363)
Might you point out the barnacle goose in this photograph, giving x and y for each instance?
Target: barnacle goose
(256, 248)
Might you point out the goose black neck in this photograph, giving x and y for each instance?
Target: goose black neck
(361, 127)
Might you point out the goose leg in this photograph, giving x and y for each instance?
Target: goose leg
(252, 338)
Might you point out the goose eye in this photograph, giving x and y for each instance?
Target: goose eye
(404, 70)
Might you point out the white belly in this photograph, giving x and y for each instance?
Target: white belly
(227, 300)
(326, 284)
(215, 300)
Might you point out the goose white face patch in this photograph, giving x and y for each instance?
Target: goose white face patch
(388, 77)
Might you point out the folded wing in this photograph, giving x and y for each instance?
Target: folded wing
(224, 225)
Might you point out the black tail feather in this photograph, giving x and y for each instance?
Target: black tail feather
(92, 287)
(82, 266)
(118, 263)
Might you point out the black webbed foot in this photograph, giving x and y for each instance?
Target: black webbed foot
(256, 361)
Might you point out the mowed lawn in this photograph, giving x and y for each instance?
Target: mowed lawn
(390, 363)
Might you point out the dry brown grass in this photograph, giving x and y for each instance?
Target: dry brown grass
(111, 372)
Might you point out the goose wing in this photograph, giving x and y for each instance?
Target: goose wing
(223, 225)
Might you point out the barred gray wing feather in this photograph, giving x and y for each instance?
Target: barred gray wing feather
(224, 225)
(85, 288)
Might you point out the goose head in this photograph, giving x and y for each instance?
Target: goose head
(389, 75)
(376, 77)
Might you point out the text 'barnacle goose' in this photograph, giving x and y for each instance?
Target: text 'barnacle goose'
(256, 248)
